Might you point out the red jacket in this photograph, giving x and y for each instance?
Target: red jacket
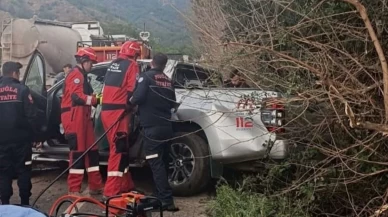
(77, 91)
(120, 82)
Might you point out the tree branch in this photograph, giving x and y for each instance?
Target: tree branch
(372, 34)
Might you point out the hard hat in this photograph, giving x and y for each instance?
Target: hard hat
(86, 54)
(130, 48)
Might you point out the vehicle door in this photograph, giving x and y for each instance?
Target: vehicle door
(35, 78)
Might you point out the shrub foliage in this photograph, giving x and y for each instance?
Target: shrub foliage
(327, 57)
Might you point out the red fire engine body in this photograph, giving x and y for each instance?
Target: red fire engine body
(107, 50)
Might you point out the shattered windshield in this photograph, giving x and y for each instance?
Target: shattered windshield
(193, 76)
(185, 75)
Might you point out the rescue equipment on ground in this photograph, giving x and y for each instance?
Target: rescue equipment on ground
(132, 204)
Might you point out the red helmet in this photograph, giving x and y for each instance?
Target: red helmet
(86, 54)
(130, 48)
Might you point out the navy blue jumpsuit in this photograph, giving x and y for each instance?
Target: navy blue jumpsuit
(18, 121)
(155, 97)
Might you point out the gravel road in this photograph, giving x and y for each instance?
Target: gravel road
(189, 207)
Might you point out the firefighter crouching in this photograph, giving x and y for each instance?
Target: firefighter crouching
(77, 123)
(155, 97)
(119, 84)
(18, 119)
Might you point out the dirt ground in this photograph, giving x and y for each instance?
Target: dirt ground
(189, 207)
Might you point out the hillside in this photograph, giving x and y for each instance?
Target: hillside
(167, 28)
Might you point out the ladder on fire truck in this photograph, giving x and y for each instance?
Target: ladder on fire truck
(6, 45)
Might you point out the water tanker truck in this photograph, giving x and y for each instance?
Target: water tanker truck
(55, 41)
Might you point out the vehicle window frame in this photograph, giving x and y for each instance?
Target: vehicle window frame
(200, 69)
(36, 63)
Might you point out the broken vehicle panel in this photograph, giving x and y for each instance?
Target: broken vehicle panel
(234, 135)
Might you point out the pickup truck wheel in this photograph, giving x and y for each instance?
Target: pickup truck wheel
(189, 164)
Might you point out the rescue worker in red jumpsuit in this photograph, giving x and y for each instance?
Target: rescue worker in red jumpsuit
(120, 82)
(77, 123)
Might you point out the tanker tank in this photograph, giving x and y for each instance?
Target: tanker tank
(55, 41)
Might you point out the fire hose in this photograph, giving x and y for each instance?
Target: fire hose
(132, 204)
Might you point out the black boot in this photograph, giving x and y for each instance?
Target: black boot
(170, 207)
(25, 201)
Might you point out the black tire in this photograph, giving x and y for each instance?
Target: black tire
(200, 176)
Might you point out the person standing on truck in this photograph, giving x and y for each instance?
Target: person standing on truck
(18, 121)
(119, 84)
(155, 97)
(62, 75)
(77, 123)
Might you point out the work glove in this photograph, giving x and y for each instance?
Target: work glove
(99, 98)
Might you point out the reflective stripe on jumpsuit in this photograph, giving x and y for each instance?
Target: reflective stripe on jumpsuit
(120, 81)
(19, 164)
(156, 145)
(119, 178)
(18, 120)
(79, 131)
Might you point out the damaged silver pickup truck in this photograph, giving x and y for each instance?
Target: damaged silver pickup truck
(214, 127)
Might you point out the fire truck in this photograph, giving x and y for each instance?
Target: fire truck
(108, 48)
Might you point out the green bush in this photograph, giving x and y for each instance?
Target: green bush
(245, 203)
